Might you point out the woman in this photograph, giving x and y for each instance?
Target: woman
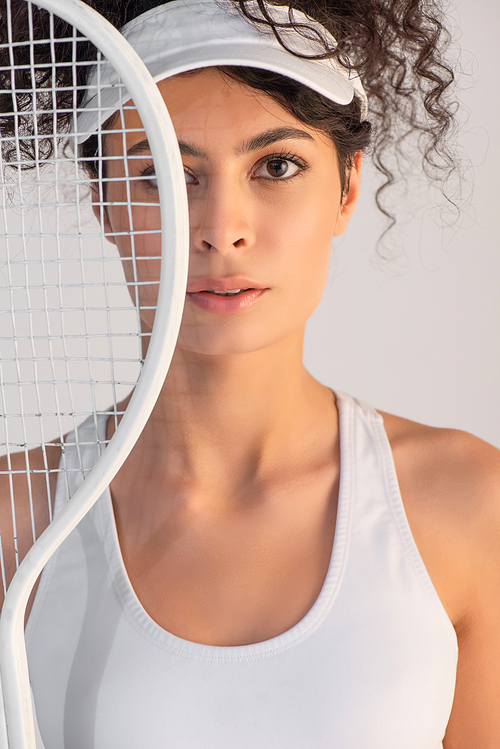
(275, 565)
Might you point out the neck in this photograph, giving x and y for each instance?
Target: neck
(233, 421)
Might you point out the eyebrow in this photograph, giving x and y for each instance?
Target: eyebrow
(262, 140)
(271, 136)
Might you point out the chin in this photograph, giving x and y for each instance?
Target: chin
(222, 343)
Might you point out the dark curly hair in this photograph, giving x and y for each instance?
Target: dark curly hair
(397, 46)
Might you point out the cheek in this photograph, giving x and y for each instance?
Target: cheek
(299, 246)
(140, 253)
(305, 264)
(137, 233)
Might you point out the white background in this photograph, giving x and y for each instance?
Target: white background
(420, 337)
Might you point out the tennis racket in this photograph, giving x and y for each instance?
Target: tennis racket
(75, 313)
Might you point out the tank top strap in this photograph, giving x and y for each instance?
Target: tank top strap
(81, 449)
(364, 453)
(379, 522)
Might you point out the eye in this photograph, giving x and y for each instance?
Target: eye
(149, 177)
(151, 182)
(280, 167)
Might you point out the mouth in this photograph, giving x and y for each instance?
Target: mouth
(232, 292)
(223, 285)
(232, 300)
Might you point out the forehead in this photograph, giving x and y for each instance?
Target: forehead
(209, 108)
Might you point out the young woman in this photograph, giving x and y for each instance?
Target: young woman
(276, 565)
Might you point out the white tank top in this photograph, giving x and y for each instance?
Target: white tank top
(372, 665)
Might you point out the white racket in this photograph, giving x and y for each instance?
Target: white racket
(70, 335)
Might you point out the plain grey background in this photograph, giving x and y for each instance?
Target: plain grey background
(420, 337)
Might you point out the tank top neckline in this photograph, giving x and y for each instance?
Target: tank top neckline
(138, 617)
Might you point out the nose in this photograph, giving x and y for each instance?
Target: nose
(222, 218)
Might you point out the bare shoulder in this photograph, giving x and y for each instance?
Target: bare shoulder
(443, 455)
(450, 486)
(456, 466)
(27, 487)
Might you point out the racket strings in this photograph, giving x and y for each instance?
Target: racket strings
(75, 309)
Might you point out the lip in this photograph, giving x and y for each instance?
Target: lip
(223, 284)
(221, 304)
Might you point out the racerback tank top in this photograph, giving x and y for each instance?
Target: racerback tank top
(372, 665)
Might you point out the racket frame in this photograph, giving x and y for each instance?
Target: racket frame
(171, 297)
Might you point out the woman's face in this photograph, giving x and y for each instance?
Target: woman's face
(265, 200)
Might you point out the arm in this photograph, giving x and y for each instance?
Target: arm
(450, 485)
(475, 718)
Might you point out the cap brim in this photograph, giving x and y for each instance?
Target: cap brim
(322, 78)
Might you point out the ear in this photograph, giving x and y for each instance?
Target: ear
(101, 213)
(350, 198)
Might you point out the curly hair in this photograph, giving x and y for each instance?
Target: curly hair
(397, 46)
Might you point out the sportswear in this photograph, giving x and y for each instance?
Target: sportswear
(372, 665)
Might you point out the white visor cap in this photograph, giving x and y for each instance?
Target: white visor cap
(184, 35)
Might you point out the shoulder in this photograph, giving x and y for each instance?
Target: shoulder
(452, 465)
(27, 489)
(450, 486)
(449, 460)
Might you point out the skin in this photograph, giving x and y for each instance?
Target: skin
(238, 466)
